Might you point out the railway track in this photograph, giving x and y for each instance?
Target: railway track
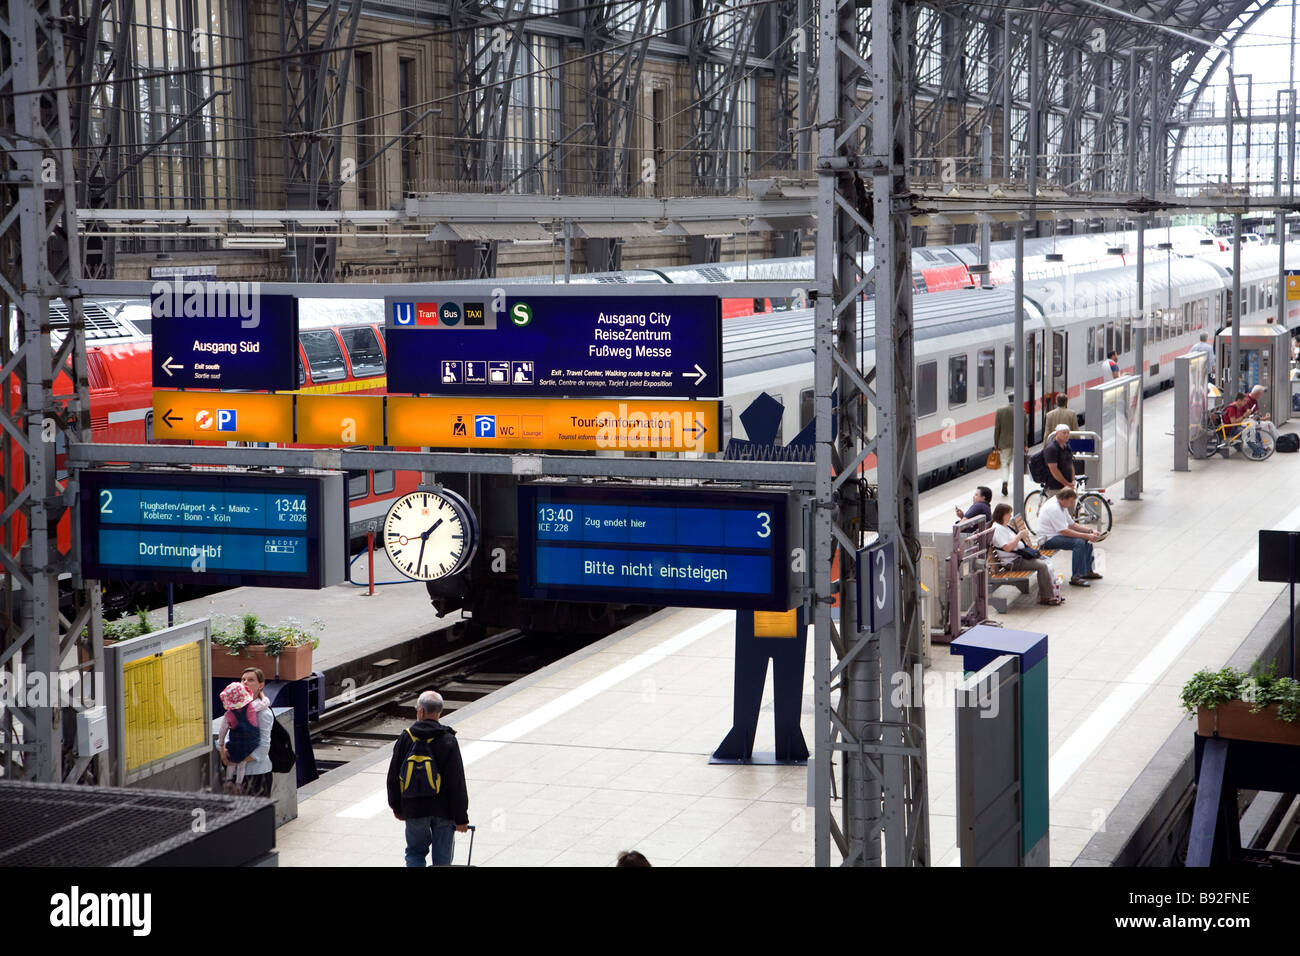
(347, 710)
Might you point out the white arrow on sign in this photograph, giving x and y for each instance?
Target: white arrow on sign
(168, 366)
(699, 374)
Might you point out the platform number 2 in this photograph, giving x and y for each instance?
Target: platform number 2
(105, 502)
(766, 518)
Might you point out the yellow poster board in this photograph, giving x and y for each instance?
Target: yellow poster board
(163, 705)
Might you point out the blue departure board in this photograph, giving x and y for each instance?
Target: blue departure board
(221, 528)
(677, 547)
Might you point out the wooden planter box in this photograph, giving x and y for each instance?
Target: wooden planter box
(1234, 720)
(295, 662)
(224, 664)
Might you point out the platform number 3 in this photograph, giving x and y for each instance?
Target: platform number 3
(882, 589)
(766, 518)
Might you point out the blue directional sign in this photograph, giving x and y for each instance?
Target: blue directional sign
(227, 528)
(223, 335)
(553, 346)
(678, 547)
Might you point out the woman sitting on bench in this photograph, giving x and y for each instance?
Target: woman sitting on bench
(1007, 544)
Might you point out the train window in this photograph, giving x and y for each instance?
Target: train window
(145, 326)
(1128, 336)
(358, 484)
(726, 426)
(780, 422)
(1008, 368)
(927, 389)
(985, 374)
(302, 373)
(956, 381)
(1110, 339)
(806, 410)
(1091, 335)
(363, 351)
(385, 481)
(760, 306)
(324, 357)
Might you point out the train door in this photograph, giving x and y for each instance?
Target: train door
(1058, 379)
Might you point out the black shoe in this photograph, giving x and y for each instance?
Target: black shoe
(1004, 489)
(1093, 576)
(1080, 583)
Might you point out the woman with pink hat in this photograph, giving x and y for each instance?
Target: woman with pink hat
(243, 738)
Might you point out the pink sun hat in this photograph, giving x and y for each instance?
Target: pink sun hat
(235, 696)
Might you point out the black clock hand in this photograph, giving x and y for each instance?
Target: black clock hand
(425, 536)
(419, 560)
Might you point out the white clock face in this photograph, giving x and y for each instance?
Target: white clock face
(428, 535)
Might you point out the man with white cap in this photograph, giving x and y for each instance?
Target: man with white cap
(1059, 458)
(1252, 405)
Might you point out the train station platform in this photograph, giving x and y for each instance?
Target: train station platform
(350, 622)
(607, 749)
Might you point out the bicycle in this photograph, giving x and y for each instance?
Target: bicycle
(1221, 437)
(1092, 509)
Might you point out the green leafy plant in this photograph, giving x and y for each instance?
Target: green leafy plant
(125, 627)
(290, 633)
(1261, 688)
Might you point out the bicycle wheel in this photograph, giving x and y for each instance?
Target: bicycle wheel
(1256, 444)
(1094, 512)
(1034, 502)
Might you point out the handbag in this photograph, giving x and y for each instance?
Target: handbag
(994, 461)
(1028, 553)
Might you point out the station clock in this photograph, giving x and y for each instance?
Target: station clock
(431, 533)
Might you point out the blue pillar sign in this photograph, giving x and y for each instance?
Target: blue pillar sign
(876, 574)
(679, 547)
(554, 346)
(223, 335)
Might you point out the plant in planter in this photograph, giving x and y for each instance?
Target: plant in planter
(1260, 706)
(292, 645)
(122, 629)
(238, 646)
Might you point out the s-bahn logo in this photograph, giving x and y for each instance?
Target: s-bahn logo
(203, 420)
(521, 313)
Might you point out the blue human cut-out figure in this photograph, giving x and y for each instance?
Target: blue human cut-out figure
(787, 655)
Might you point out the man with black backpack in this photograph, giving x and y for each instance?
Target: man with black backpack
(426, 785)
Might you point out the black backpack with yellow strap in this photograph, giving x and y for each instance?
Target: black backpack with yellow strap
(420, 777)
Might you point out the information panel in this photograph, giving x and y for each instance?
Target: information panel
(223, 335)
(671, 546)
(553, 346)
(229, 528)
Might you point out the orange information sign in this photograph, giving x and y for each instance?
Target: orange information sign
(223, 416)
(340, 420)
(1292, 286)
(555, 424)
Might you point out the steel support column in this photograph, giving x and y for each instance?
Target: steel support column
(314, 73)
(39, 261)
(864, 724)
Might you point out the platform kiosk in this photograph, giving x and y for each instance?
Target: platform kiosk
(1265, 360)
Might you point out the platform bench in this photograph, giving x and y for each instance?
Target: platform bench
(1006, 586)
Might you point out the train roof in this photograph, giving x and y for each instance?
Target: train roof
(779, 339)
(1168, 281)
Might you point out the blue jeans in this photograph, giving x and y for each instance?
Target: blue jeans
(421, 832)
(1081, 552)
